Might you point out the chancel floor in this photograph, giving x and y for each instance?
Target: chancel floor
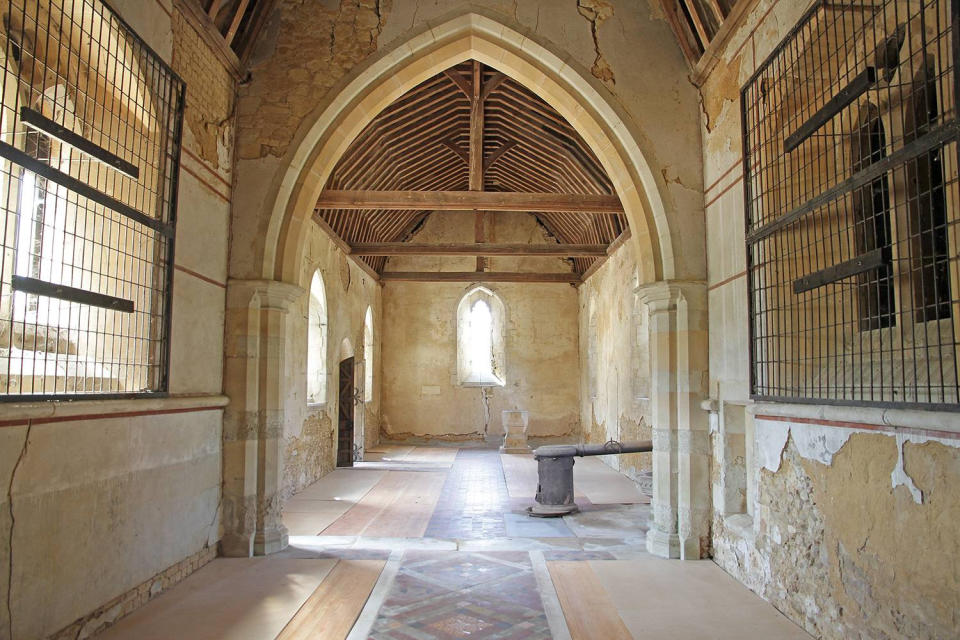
(433, 543)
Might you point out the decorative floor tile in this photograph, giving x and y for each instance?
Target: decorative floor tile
(520, 525)
(447, 595)
(473, 499)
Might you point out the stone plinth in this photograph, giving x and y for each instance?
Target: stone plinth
(515, 432)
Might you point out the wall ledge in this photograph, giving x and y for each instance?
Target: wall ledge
(892, 420)
(57, 410)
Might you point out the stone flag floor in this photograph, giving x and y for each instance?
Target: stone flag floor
(433, 543)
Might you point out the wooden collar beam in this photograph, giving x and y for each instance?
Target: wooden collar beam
(478, 276)
(479, 249)
(468, 201)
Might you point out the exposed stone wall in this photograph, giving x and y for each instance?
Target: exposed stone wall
(310, 430)
(422, 397)
(303, 51)
(840, 550)
(211, 95)
(614, 361)
(109, 613)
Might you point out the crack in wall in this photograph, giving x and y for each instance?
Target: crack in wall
(596, 11)
(485, 401)
(13, 475)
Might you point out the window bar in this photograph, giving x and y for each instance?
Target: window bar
(850, 307)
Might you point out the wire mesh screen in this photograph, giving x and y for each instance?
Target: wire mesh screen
(850, 165)
(90, 123)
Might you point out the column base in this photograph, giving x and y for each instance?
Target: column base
(237, 545)
(690, 549)
(664, 545)
(270, 541)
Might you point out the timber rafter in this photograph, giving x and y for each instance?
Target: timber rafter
(470, 139)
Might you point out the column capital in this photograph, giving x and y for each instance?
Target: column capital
(269, 294)
(663, 295)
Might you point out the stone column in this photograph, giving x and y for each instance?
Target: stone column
(681, 456)
(254, 379)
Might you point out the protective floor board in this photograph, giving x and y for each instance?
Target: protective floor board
(310, 517)
(586, 605)
(387, 452)
(435, 455)
(399, 505)
(520, 472)
(236, 598)
(329, 613)
(689, 600)
(603, 485)
(349, 485)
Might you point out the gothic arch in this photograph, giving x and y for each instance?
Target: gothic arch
(332, 127)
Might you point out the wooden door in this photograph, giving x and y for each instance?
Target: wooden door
(345, 421)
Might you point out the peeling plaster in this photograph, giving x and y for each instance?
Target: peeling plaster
(899, 475)
(596, 11)
(771, 441)
(820, 444)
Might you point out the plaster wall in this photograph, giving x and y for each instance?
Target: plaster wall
(814, 508)
(105, 497)
(310, 429)
(614, 361)
(422, 397)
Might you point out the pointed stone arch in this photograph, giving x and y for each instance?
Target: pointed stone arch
(270, 231)
(588, 107)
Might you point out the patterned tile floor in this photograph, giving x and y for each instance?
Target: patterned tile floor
(474, 498)
(453, 595)
(441, 595)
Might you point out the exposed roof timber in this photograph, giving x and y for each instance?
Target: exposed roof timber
(422, 143)
(469, 201)
(337, 240)
(458, 80)
(616, 244)
(493, 157)
(477, 249)
(478, 276)
(699, 24)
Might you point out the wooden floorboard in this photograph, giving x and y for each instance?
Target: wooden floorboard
(586, 605)
(399, 506)
(333, 607)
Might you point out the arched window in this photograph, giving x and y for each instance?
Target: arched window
(317, 342)
(871, 207)
(926, 199)
(368, 356)
(480, 339)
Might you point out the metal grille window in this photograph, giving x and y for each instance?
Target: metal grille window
(90, 124)
(850, 179)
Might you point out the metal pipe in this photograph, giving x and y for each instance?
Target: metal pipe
(611, 447)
